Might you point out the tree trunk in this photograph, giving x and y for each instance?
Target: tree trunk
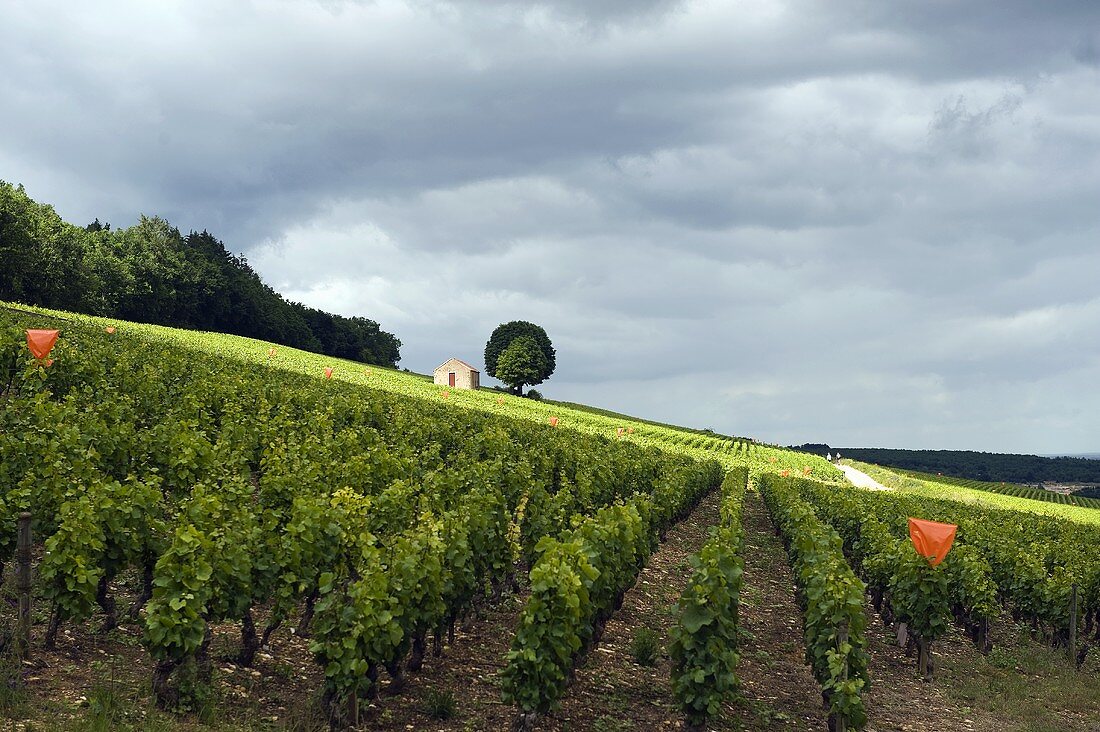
(105, 601)
(51, 629)
(307, 616)
(396, 670)
(416, 658)
(272, 626)
(165, 695)
(372, 678)
(203, 662)
(146, 588)
(250, 642)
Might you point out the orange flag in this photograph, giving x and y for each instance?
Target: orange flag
(553, 421)
(328, 372)
(932, 540)
(41, 342)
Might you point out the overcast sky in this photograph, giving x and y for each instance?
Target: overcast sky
(857, 222)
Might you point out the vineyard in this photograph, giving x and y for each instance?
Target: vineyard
(211, 499)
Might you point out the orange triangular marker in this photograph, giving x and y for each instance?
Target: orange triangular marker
(110, 329)
(271, 353)
(932, 540)
(553, 421)
(41, 342)
(619, 431)
(328, 372)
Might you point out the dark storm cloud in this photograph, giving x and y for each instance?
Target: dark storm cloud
(861, 222)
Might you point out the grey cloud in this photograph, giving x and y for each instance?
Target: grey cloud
(598, 12)
(861, 222)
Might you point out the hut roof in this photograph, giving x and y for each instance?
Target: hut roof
(458, 361)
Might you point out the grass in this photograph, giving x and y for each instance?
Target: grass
(440, 704)
(645, 647)
(1028, 685)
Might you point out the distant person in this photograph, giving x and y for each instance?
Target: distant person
(829, 456)
(837, 457)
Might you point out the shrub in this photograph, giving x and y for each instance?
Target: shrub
(440, 704)
(646, 647)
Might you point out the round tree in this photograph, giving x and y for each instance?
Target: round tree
(532, 370)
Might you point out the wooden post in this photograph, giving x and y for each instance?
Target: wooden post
(924, 659)
(23, 586)
(1073, 625)
(842, 638)
(353, 708)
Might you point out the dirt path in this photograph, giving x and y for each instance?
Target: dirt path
(860, 479)
(779, 689)
(461, 689)
(611, 690)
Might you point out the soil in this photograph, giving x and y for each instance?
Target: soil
(462, 685)
(612, 691)
(898, 699)
(89, 668)
(778, 686)
(1020, 686)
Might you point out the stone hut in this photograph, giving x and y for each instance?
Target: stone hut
(458, 374)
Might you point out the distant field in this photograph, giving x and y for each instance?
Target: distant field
(1007, 489)
(960, 490)
(984, 466)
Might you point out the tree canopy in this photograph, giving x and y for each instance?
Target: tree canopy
(152, 273)
(522, 363)
(974, 465)
(531, 362)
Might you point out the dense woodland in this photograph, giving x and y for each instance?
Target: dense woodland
(975, 465)
(152, 273)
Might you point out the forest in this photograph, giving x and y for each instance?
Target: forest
(988, 466)
(151, 272)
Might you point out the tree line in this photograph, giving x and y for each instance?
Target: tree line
(987, 466)
(152, 273)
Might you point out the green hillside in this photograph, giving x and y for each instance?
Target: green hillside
(229, 534)
(257, 354)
